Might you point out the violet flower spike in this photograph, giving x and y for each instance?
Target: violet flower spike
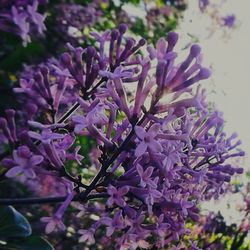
(116, 195)
(148, 141)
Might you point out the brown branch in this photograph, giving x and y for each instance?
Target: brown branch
(28, 201)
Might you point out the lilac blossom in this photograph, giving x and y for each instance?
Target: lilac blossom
(87, 235)
(8, 126)
(212, 8)
(113, 224)
(22, 19)
(55, 222)
(145, 176)
(154, 159)
(203, 4)
(229, 21)
(24, 162)
(161, 228)
(46, 136)
(75, 19)
(116, 196)
(148, 140)
(94, 116)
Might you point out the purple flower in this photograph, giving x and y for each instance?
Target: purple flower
(163, 49)
(117, 74)
(193, 246)
(95, 116)
(229, 21)
(153, 196)
(8, 126)
(137, 243)
(75, 156)
(22, 19)
(203, 4)
(46, 136)
(148, 140)
(116, 196)
(36, 17)
(74, 19)
(81, 122)
(53, 223)
(24, 162)
(101, 38)
(154, 163)
(145, 176)
(135, 223)
(87, 235)
(161, 229)
(185, 204)
(113, 224)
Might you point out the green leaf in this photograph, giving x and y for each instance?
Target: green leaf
(29, 243)
(134, 2)
(19, 54)
(13, 224)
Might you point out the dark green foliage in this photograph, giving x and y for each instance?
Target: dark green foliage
(15, 232)
(13, 224)
(29, 243)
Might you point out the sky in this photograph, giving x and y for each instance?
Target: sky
(228, 54)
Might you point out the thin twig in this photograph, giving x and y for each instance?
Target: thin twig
(107, 163)
(69, 112)
(26, 201)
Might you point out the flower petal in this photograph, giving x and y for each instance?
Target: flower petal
(34, 135)
(154, 129)
(45, 219)
(78, 128)
(161, 47)
(122, 191)
(19, 160)
(50, 227)
(29, 173)
(110, 201)
(78, 119)
(139, 169)
(141, 149)
(110, 231)
(35, 160)
(120, 202)
(148, 172)
(60, 225)
(13, 172)
(111, 190)
(155, 146)
(140, 132)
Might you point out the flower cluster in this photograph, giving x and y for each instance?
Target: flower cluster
(161, 150)
(75, 20)
(22, 18)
